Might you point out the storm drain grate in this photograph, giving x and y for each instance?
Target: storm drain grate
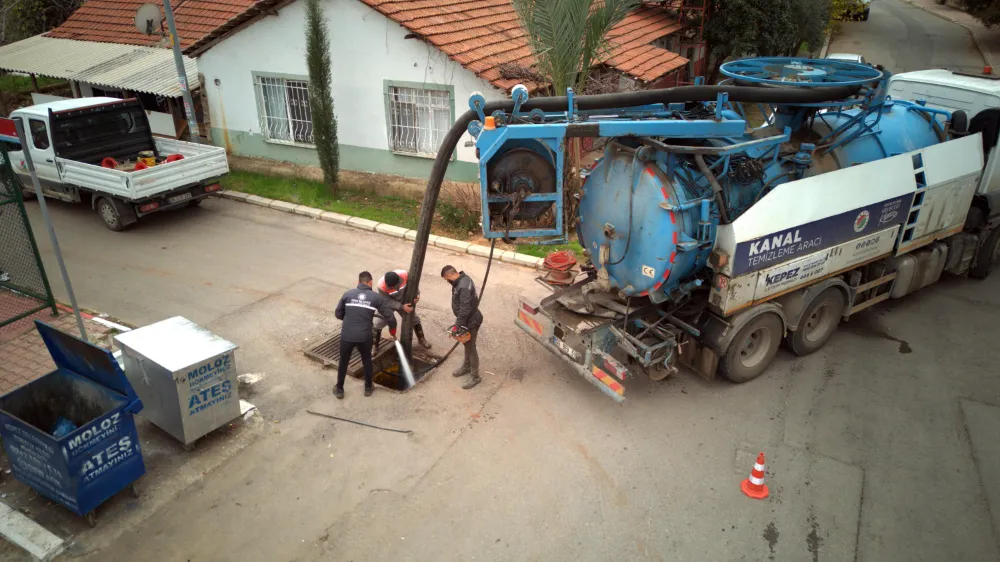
(327, 352)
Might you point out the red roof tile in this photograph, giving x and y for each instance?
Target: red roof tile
(485, 35)
(482, 35)
(113, 21)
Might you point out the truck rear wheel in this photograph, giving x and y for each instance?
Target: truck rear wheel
(753, 348)
(819, 322)
(107, 209)
(988, 253)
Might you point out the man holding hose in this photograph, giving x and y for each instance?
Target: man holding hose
(468, 319)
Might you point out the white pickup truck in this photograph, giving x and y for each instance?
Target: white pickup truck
(102, 149)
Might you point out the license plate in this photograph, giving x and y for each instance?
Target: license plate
(565, 348)
(179, 198)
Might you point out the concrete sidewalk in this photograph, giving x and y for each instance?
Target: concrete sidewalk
(987, 40)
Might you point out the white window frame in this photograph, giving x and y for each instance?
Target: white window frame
(406, 135)
(291, 123)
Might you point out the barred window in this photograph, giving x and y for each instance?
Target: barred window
(418, 119)
(283, 107)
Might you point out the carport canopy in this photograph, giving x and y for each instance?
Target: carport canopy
(134, 68)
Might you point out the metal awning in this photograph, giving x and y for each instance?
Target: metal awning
(127, 67)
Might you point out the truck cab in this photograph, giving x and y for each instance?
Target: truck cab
(978, 96)
(102, 150)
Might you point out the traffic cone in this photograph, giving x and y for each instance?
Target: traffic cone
(754, 486)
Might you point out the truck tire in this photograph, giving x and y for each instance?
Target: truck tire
(818, 323)
(988, 253)
(753, 348)
(110, 215)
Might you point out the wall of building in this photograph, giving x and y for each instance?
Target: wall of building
(367, 49)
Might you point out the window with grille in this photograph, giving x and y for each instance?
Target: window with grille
(418, 119)
(283, 107)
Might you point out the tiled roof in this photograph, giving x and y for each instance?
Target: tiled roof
(113, 21)
(486, 37)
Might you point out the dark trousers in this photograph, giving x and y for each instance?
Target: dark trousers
(348, 347)
(471, 355)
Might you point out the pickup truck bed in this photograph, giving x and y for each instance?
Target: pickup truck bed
(200, 162)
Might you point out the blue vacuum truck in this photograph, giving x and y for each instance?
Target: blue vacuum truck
(710, 241)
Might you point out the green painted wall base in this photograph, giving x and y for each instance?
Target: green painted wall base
(355, 158)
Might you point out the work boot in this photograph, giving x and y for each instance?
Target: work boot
(338, 392)
(473, 381)
(419, 330)
(462, 371)
(369, 391)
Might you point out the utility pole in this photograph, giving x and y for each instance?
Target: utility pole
(181, 73)
(48, 225)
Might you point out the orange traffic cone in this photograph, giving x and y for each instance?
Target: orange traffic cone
(754, 486)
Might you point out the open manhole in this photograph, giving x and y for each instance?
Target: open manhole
(385, 363)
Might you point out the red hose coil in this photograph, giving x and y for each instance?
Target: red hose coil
(175, 157)
(109, 162)
(140, 166)
(563, 260)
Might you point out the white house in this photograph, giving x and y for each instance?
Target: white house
(402, 71)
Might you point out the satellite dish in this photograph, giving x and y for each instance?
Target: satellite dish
(148, 18)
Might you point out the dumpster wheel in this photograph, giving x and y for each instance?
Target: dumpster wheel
(92, 519)
(134, 488)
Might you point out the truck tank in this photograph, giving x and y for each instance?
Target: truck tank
(722, 219)
(648, 207)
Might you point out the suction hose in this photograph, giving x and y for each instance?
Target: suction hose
(681, 94)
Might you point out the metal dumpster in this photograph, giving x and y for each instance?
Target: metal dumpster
(185, 376)
(70, 434)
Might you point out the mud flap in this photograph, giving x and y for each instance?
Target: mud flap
(698, 357)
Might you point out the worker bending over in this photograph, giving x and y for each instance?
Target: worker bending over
(468, 319)
(357, 309)
(391, 285)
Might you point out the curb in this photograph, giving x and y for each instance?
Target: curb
(975, 38)
(394, 231)
(826, 46)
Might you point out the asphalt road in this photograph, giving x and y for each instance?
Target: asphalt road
(882, 446)
(902, 38)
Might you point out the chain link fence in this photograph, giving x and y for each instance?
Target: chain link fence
(24, 288)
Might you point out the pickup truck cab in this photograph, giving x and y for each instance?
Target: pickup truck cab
(102, 150)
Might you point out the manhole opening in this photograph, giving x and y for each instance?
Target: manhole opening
(389, 374)
(385, 363)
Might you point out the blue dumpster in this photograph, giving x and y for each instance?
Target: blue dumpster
(70, 434)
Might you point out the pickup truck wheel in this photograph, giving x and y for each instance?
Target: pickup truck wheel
(109, 214)
(819, 322)
(753, 348)
(987, 254)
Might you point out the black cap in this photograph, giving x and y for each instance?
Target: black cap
(391, 279)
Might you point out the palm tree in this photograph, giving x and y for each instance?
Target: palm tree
(568, 37)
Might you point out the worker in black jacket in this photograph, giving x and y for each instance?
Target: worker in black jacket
(468, 319)
(357, 309)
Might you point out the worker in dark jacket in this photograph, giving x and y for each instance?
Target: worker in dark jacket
(357, 310)
(468, 319)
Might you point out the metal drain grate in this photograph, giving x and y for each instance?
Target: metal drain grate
(327, 352)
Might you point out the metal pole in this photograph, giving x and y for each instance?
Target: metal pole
(181, 73)
(48, 223)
